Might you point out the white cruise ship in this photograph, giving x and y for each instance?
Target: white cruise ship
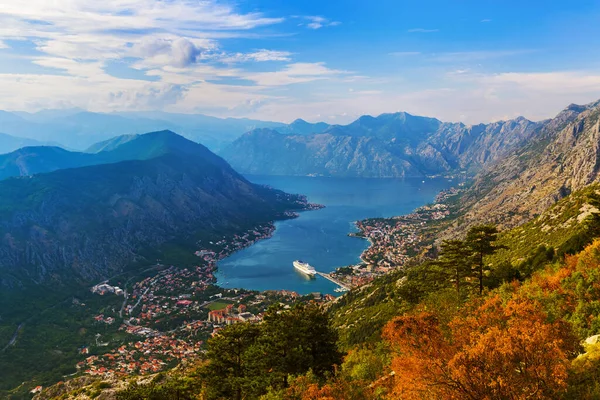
(305, 268)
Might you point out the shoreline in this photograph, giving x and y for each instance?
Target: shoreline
(394, 241)
(261, 232)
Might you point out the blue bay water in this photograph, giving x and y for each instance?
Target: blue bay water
(321, 237)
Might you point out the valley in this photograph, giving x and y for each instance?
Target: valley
(299, 200)
(124, 315)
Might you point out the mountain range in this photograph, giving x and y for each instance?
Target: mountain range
(78, 129)
(10, 143)
(96, 211)
(563, 156)
(390, 145)
(93, 214)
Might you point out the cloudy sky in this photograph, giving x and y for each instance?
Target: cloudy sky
(332, 60)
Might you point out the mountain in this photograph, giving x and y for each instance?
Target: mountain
(40, 159)
(268, 152)
(79, 129)
(302, 127)
(110, 144)
(82, 224)
(390, 145)
(10, 143)
(564, 156)
(399, 127)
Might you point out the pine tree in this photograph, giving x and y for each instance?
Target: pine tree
(480, 240)
(455, 262)
(299, 340)
(236, 366)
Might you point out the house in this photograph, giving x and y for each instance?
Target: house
(35, 390)
(218, 316)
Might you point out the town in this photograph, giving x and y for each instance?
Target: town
(393, 241)
(166, 317)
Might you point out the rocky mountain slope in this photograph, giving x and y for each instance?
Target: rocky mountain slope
(86, 223)
(268, 152)
(390, 145)
(563, 157)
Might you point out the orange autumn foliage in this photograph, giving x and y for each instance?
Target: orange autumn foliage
(499, 351)
(306, 388)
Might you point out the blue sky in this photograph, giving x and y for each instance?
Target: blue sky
(470, 61)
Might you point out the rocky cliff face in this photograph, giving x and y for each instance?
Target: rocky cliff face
(391, 145)
(271, 153)
(564, 157)
(90, 222)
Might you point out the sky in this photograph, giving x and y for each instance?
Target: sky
(320, 60)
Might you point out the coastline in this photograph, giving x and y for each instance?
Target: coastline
(395, 240)
(248, 238)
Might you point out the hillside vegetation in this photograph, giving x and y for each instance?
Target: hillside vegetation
(415, 335)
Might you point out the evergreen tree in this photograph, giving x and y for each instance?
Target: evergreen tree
(480, 240)
(299, 340)
(455, 262)
(246, 359)
(236, 368)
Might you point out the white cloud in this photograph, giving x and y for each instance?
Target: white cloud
(3, 45)
(89, 29)
(468, 97)
(486, 20)
(295, 73)
(91, 70)
(318, 22)
(176, 51)
(258, 56)
(549, 82)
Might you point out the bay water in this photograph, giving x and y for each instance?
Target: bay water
(321, 237)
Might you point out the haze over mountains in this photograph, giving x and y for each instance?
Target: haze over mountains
(79, 129)
(10, 143)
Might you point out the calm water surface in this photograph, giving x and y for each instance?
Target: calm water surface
(321, 237)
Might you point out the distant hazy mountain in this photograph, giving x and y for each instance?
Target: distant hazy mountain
(85, 223)
(302, 127)
(390, 145)
(110, 144)
(10, 143)
(79, 129)
(28, 161)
